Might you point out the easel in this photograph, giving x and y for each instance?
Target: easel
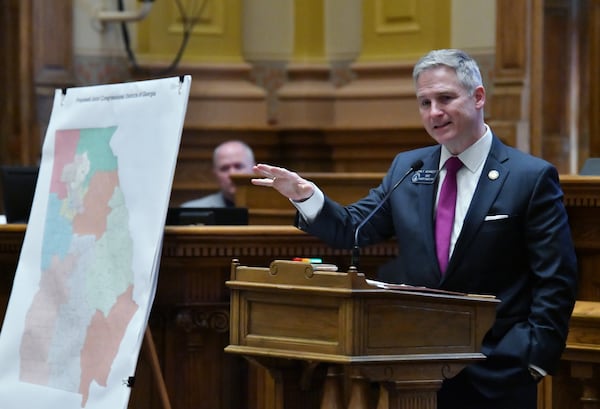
(159, 380)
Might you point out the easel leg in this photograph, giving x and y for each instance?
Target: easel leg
(155, 367)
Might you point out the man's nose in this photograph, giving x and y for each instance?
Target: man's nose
(436, 109)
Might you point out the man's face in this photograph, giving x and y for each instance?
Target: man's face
(230, 159)
(449, 113)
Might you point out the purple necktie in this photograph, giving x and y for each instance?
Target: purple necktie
(444, 219)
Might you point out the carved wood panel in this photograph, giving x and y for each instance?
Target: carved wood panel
(546, 87)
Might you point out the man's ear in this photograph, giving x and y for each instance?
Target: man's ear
(479, 95)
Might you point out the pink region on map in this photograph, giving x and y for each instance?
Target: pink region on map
(66, 146)
(41, 318)
(102, 342)
(93, 219)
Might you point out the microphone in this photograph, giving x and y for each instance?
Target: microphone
(418, 164)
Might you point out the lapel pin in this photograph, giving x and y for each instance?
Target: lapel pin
(493, 174)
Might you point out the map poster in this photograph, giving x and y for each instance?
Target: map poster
(88, 268)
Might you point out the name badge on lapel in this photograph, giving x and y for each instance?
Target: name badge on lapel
(424, 176)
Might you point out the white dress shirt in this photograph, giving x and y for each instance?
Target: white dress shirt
(473, 159)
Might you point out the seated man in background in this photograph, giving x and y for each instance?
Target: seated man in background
(229, 157)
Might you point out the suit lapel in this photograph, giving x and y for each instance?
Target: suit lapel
(485, 194)
(426, 199)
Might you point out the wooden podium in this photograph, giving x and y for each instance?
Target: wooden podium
(329, 338)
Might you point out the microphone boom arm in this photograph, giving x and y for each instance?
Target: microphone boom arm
(356, 248)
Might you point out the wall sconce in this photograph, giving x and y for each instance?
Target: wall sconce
(124, 16)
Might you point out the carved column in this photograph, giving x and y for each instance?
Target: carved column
(268, 44)
(343, 38)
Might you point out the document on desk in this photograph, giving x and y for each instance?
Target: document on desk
(420, 289)
(88, 267)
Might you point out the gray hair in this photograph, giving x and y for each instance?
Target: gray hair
(466, 68)
(244, 145)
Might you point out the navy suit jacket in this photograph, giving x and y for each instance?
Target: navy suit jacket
(526, 259)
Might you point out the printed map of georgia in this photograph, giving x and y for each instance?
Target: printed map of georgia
(84, 304)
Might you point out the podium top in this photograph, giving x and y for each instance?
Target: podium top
(304, 276)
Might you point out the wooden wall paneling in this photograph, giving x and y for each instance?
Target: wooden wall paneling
(9, 75)
(517, 28)
(558, 53)
(372, 150)
(584, 83)
(512, 25)
(569, 83)
(593, 53)
(303, 150)
(17, 119)
(29, 128)
(9, 94)
(6, 53)
(52, 50)
(544, 88)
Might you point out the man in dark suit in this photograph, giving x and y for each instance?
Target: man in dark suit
(509, 237)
